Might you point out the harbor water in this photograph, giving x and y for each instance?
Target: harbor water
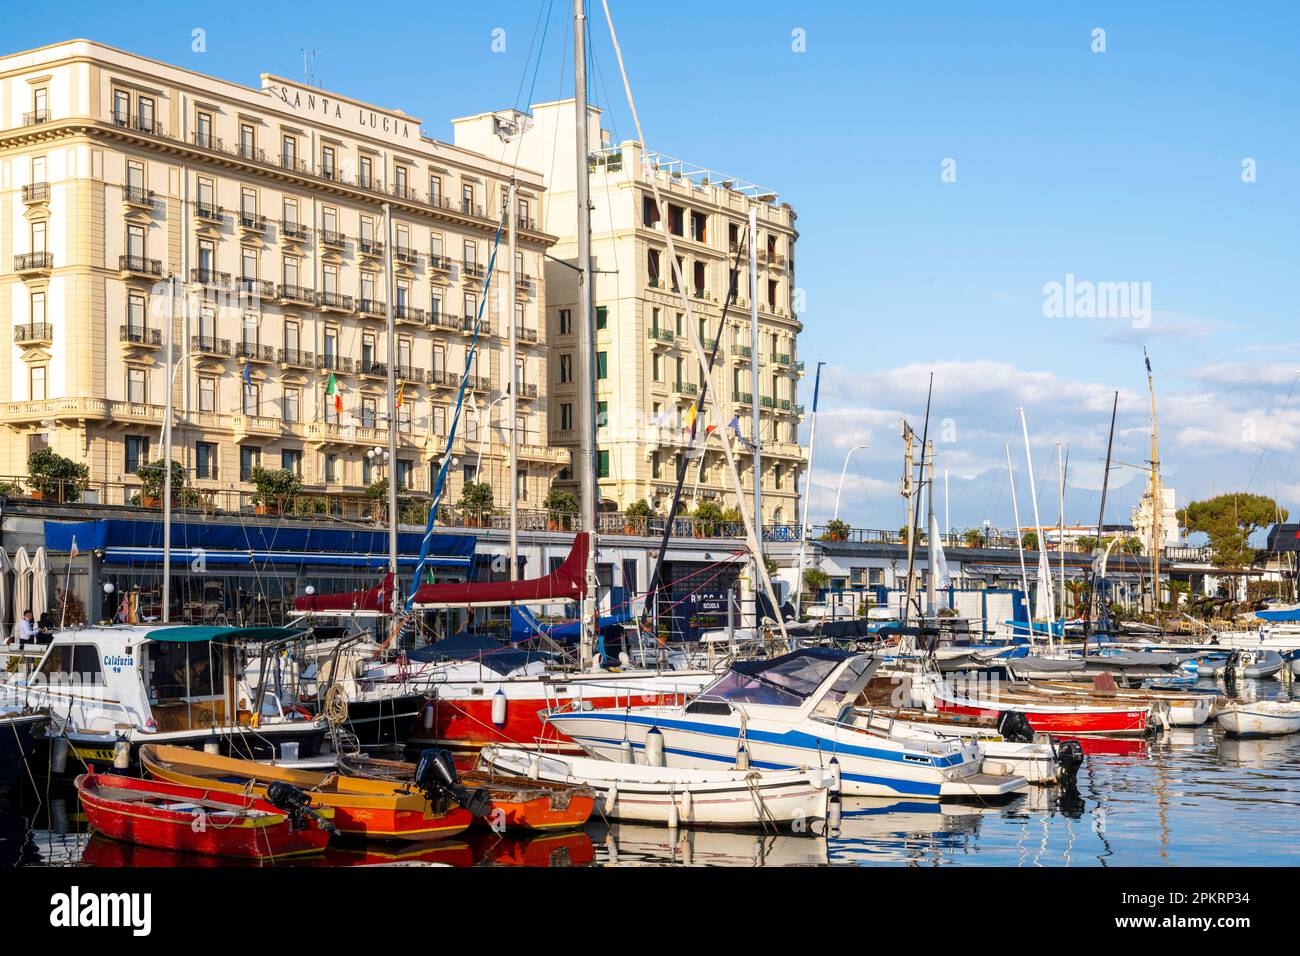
(1185, 797)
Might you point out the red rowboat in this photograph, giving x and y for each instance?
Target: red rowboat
(1049, 718)
(196, 819)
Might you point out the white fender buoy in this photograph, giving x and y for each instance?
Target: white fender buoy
(837, 779)
(212, 745)
(834, 814)
(59, 754)
(427, 717)
(611, 798)
(121, 754)
(499, 708)
(673, 819)
(625, 751)
(686, 805)
(654, 747)
(742, 755)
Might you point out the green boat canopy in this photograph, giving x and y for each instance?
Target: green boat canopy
(189, 634)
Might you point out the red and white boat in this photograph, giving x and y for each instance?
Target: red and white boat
(1063, 719)
(498, 695)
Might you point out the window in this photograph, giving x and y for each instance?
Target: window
(331, 468)
(405, 472)
(135, 316)
(136, 448)
(327, 162)
(656, 465)
(207, 394)
(203, 130)
(291, 461)
(73, 662)
(330, 280)
(435, 247)
(135, 175)
(248, 205)
(470, 250)
(440, 419)
(521, 484)
(435, 190)
(145, 114)
(121, 107)
(247, 141)
(205, 460)
(649, 213)
(369, 412)
(652, 266)
(778, 475)
(676, 217)
(602, 317)
(137, 391)
(602, 414)
(252, 399)
(289, 152)
(566, 322)
(657, 367)
(291, 336)
(291, 270)
(602, 464)
(248, 263)
(566, 368)
(699, 227)
(289, 409)
(467, 198)
(36, 383)
(566, 416)
(399, 180)
(291, 213)
(249, 458)
(366, 172)
(37, 308)
(602, 365)
(38, 236)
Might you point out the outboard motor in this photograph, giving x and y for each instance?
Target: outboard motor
(1069, 757)
(296, 805)
(1014, 727)
(435, 775)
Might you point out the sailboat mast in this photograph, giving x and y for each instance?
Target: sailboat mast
(1101, 520)
(807, 486)
(931, 589)
(1020, 544)
(1060, 524)
(167, 455)
(586, 335)
(392, 398)
(1044, 575)
(1157, 502)
(512, 359)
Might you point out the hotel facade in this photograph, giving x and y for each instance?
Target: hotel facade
(142, 203)
(648, 375)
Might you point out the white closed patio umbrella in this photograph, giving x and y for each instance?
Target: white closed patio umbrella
(6, 569)
(22, 586)
(40, 583)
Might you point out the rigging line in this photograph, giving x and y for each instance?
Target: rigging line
(542, 8)
(1276, 422)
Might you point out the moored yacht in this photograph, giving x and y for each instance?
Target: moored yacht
(788, 712)
(111, 689)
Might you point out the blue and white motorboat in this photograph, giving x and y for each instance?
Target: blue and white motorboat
(790, 712)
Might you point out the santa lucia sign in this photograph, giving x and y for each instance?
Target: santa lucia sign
(350, 116)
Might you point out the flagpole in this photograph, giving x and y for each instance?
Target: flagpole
(755, 410)
(807, 490)
(168, 380)
(392, 397)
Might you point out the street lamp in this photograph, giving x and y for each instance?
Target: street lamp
(840, 489)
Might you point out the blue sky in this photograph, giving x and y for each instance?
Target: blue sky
(1118, 166)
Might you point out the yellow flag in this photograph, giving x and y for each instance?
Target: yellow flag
(400, 390)
(690, 416)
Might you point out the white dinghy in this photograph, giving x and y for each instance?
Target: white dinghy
(677, 796)
(1260, 718)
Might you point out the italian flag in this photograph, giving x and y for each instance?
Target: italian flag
(332, 390)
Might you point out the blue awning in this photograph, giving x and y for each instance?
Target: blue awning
(125, 541)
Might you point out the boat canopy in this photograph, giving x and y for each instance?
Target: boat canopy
(566, 583)
(479, 648)
(785, 681)
(524, 624)
(187, 634)
(1279, 614)
(376, 600)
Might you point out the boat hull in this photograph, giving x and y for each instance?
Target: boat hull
(268, 742)
(250, 828)
(1241, 721)
(1064, 722)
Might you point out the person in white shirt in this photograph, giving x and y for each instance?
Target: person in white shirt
(27, 628)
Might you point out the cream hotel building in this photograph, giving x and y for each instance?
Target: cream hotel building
(119, 173)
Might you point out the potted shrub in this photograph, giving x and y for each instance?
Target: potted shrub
(476, 502)
(638, 514)
(53, 477)
(561, 507)
(708, 519)
(973, 538)
(276, 488)
(836, 530)
(377, 493)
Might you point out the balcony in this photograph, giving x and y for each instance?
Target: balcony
(255, 288)
(251, 152)
(685, 389)
(33, 263)
(34, 333)
(373, 369)
(527, 390)
(255, 426)
(467, 325)
(440, 264)
(661, 336)
(410, 314)
(742, 398)
(294, 231)
(141, 124)
(140, 266)
(205, 140)
(527, 335)
(370, 247)
(442, 378)
(296, 358)
(296, 294)
(767, 401)
(334, 363)
(798, 410)
(478, 383)
(782, 359)
(292, 163)
(208, 345)
(252, 222)
(335, 301)
(36, 192)
(742, 352)
(471, 269)
(372, 308)
(36, 117)
(403, 191)
(138, 197)
(132, 335)
(406, 256)
(471, 209)
(211, 279)
(410, 374)
(332, 239)
(526, 222)
(209, 213)
(446, 320)
(523, 284)
(254, 352)
(703, 294)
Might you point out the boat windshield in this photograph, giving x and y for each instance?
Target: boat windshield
(785, 681)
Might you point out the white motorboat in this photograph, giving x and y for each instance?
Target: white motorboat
(678, 796)
(110, 690)
(786, 713)
(1260, 718)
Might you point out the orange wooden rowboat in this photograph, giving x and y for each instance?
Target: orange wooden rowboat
(374, 809)
(517, 802)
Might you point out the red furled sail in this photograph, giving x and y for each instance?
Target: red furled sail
(566, 583)
(376, 600)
